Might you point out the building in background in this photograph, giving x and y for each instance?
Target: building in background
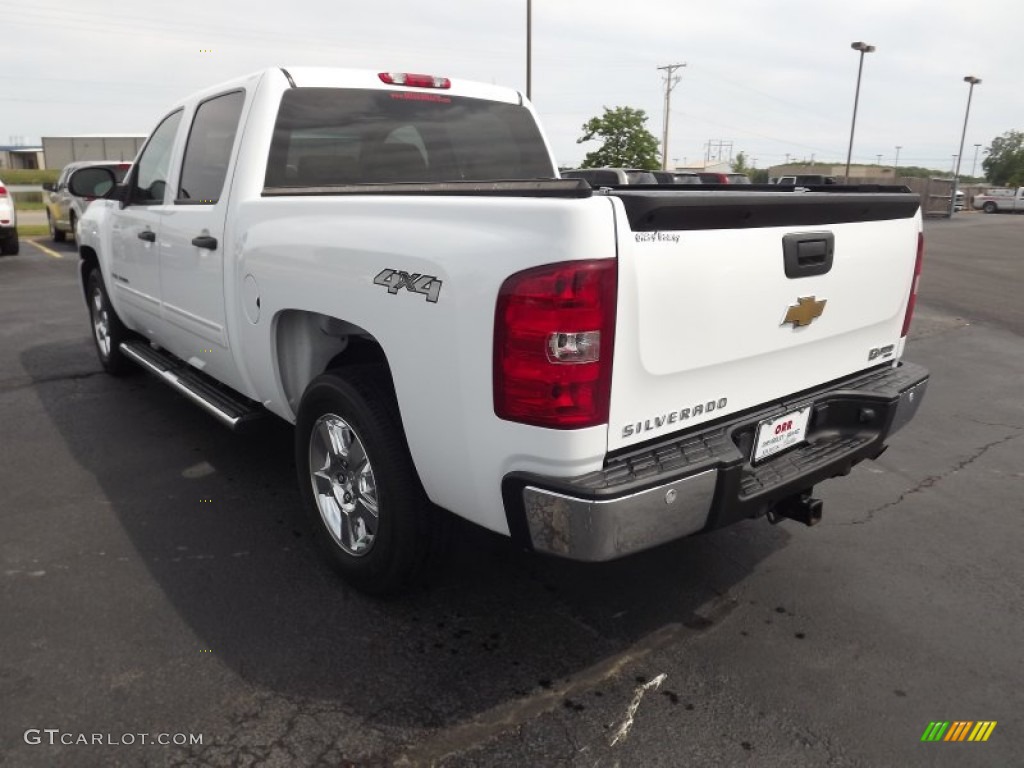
(58, 151)
(21, 157)
(876, 174)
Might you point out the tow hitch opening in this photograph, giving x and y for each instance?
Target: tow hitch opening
(800, 507)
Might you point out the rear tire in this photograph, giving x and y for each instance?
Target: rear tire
(9, 246)
(107, 329)
(57, 235)
(990, 207)
(361, 494)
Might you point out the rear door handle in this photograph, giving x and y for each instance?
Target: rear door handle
(205, 241)
(148, 235)
(805, 254)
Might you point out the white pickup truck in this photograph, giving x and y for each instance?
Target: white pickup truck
(391, 263)
(1000, 200)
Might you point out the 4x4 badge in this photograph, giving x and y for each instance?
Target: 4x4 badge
(804, 312)
(395, 280)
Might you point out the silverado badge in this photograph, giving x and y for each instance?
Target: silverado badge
(806, 309)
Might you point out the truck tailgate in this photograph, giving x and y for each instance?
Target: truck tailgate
(732, 300)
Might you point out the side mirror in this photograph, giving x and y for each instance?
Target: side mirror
(92, 182)
(49, 186)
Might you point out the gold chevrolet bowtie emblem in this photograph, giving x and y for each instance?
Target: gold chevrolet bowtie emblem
(804, 311)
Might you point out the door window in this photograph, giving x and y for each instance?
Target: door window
(150, 181)
(208, 152)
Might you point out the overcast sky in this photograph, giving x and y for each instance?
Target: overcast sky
(771, 77)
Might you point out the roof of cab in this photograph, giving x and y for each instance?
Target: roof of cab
(336, 77)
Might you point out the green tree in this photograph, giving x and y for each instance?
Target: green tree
(739, 163)
(1004, 165)
(626, 141)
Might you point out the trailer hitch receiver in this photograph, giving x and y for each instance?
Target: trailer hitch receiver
(800, 507)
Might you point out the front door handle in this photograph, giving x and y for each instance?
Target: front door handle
(148, 235)
(205, 241)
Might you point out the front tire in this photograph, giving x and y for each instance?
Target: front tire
(107, 330)
(360, 490)
(990, 207)
(57, 235)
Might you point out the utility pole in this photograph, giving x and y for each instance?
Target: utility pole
(974, 165)
(671, 80)
(896, 164)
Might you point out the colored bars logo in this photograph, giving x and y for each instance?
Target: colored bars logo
(959, 730)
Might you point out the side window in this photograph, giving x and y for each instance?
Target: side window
(209, 149)
(150, 180)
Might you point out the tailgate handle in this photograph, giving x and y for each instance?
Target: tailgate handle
(805, 254)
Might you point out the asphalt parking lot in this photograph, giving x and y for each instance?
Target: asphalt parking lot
(155, 579)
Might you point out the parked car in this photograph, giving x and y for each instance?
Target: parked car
(1000, 200)
(8, 223)
(611, 177)
(714, 177)
(805, 180)
(390, 262)
(676, 177)
(63, 209)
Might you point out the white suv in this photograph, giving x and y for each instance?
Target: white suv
(8, 223)
(64, 210)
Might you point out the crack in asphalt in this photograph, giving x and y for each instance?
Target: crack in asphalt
(511, 715)
(993, 423)
(287, 742)
(932, 480)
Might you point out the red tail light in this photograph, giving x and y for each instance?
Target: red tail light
(913, 286)
(414, 81)
(3, 191)
(554, 333)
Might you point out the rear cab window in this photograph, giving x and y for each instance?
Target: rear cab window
(339, 136)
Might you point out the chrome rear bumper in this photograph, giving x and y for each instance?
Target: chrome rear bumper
(704, 479)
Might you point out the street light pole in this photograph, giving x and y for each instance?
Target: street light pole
(863, 48)
(896, 164)
(967, 113)
(529, 46)
(974, 165)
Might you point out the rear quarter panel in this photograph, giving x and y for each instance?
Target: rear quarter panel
(321, 254)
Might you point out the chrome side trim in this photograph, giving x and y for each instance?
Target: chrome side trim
(171, 378)
(593, 530)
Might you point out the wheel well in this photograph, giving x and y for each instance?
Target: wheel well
(309, 343)
(89, 261)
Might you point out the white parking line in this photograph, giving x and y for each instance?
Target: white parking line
(47, 251)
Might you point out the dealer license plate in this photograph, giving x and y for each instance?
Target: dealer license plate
(774, 435)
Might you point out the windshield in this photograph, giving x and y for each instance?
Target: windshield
(332, 136)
